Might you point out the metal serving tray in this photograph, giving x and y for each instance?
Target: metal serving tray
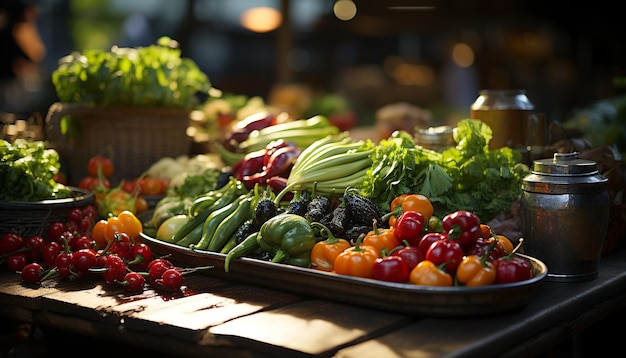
(394, 297)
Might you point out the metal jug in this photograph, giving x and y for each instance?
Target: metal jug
(564, 213)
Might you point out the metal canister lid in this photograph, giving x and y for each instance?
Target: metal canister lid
(565, 173)
(436, 138)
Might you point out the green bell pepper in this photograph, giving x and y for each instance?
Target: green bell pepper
(289, 237)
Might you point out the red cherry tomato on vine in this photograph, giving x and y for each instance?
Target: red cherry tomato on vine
(16, 262)
(36, 244)
(172, 279)
(10, 242)
(99, 162)
(32, 273)
(133, 281)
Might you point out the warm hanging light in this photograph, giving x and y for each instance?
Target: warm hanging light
(261, 19)
(345, 9)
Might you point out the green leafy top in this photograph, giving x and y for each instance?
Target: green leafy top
(153, 76)
(466, 177)
(27, 170)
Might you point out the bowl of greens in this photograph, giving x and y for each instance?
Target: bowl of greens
(30, 197)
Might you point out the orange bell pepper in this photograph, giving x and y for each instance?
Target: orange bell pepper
(415, 202)
(325, 252)
(382, 239)
(357, 260)
(475, 270)
(426, 273)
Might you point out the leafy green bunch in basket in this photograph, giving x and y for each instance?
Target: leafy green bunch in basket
(152, 76)
(27, 170)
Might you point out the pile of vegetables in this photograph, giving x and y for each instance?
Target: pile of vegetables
(466, 177)
(111, 250)
(152, 76)
(27, 172)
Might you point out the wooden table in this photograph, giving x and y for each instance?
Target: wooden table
(217, 317)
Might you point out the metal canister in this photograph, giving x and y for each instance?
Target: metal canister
(436, 138)
(564, 215)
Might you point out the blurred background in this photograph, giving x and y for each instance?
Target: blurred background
(433, 54)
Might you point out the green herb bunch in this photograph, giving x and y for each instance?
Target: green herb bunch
(27, 170)
(152, 76)
(466, 177)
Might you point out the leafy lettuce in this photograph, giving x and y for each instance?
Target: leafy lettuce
(468, 176)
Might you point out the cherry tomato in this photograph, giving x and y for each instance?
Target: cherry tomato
(55, 230)
(156, 268)
(172, 279)
(83, 242)
(133, 281)
(121, 245)
(140, 256)
(84, 259)
(32, 273)
(36, 244)
(63, 263)
(50, 252)
(90, 211)
(10, 242)
(16, 262)
(85, 224)
(100, 163)
(115, 269)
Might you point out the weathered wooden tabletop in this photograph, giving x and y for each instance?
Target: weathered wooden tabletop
(214, 316)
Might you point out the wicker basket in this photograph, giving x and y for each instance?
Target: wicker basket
(133, 137)
(33, 218)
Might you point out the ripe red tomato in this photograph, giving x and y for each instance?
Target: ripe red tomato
(130, 186)
(151, 186)
(141, 205)
(91, 183)
(104, 163)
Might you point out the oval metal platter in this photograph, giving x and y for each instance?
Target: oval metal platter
(403, 298)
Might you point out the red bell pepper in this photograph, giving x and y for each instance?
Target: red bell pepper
(447, 253)
(462, 226)
(410, 227)
(411, 255)
(278, 165)
(512, 268)
(427, 240)
(390, 268)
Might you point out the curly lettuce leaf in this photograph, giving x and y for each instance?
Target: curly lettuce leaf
(466, 177)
